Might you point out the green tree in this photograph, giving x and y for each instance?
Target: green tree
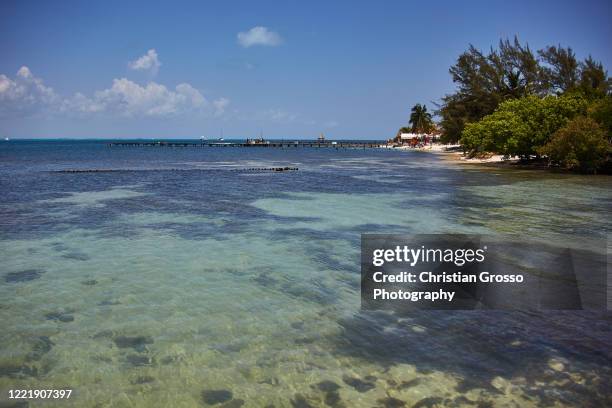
(581, 144)
(420, 120)
(561, 72)
(485, 80)
(594, 81)
(519, 126)
(601, 111)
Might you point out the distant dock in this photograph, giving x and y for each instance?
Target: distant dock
(274, 144)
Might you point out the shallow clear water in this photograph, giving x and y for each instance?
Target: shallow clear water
(180, 274)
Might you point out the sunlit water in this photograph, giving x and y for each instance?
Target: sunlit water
(183, 280)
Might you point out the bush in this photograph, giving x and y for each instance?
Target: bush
(520, 126)
(601, 111)
(581, 145)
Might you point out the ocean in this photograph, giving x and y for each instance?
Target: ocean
(179, 277)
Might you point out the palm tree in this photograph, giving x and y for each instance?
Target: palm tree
(420, 119)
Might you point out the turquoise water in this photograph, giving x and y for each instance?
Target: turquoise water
(180, 279)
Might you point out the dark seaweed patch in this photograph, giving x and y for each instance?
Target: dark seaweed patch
(468, 383)
(77, 256)
(265, 280)
(327, 386)
(409, 384)
(428, 402)
(90, 282)
(391, 402)
(300, 402)
(297, 325)
(17, 371)
(358, 384)
(138, 343)
(138, 360)
(60, 316)
(332, 399)
(314, 292)
(143, 379)
(23, 276)
(42, 345)
(213, 397)
(109, 303)
(235, 403)
(59, 247)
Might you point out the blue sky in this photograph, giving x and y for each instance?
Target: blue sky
(290, 69)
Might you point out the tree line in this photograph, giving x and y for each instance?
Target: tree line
(516, 102)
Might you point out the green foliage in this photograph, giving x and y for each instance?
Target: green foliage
(581, 144)
(601, 111)
(519, 126)
(594, 81)
(561, 73)
(420, 119)
(512, 71)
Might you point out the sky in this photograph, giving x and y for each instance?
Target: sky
(287, 69)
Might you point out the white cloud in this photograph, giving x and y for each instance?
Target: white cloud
(25, 93)
(259, 36)
(127, 98)
(148, 62)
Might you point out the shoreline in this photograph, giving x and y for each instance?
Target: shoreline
(453, 154)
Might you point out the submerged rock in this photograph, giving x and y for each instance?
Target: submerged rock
(23, 276)
(213, 397)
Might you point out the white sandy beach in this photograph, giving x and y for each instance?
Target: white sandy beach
(450, 152)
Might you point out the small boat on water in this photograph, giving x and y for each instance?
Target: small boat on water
(6, 139)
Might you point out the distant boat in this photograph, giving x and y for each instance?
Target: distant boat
(6, 139)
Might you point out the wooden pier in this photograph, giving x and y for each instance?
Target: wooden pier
(275, 143)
